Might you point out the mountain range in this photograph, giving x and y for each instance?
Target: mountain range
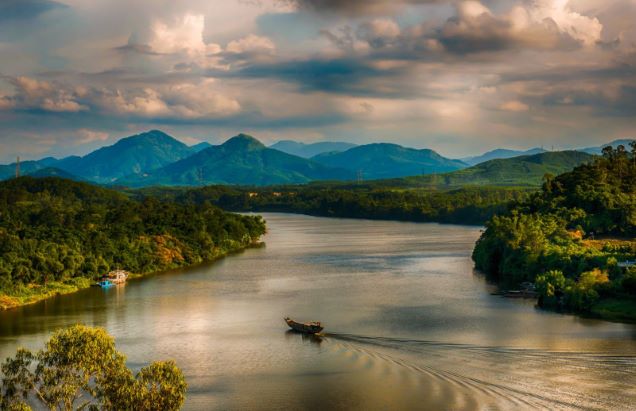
(240, 160)
(155, 158)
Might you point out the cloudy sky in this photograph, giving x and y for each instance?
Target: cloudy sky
(460, 77)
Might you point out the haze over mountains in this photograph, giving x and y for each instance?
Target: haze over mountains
(500, 153)
(155, 158)
(310, 150)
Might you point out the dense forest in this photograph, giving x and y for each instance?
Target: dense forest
(473, 205)
(56, 233)
(572, 238)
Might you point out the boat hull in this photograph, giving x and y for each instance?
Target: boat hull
(306, 328)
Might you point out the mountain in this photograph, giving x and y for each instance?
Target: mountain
(130, 155)
(241, 160)
(200, 146)
(384, 160)
(54, 172)
(310, 150)
(500, 153)
(26, 167)
(614, 144)
(515, 171)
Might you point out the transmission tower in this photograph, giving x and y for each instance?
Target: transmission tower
(17, 167)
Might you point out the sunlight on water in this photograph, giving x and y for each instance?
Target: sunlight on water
(408, 326)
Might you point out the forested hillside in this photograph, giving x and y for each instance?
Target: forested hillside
(56, 232)
(572, 237)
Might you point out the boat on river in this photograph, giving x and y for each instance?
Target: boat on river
(113, 278)
(313, 327)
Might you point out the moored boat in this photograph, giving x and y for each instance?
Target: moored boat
(105, 283)
(313, 327)
(113, 278)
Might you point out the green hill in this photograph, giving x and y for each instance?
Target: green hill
(516, 171)
(54, 172)
(240, 160)
(383, 160)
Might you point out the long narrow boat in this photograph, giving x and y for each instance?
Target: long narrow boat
(313, 327)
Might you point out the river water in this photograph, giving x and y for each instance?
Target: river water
(409, 325)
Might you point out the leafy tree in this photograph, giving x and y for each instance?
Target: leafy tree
(79, 368)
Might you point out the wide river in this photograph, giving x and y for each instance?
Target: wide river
(409, 325)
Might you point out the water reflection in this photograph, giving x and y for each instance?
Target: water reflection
(408, 326)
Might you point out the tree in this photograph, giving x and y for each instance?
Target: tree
(79, 368)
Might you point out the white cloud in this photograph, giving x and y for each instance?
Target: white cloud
(183, 34)
(251, 44)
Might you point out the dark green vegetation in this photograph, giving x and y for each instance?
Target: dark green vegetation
(80, 368)
(473, 205)
(385, 160)
(305, 150)
(571, 237)
(240, 160)
(57, 235)
(598, 150)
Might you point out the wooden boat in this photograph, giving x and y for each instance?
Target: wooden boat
(118, 276)
(307, 328)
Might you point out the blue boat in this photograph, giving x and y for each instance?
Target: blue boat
(105, 283)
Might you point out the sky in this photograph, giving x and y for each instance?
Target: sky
(460, 77)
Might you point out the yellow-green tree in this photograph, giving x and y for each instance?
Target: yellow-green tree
(80, 368)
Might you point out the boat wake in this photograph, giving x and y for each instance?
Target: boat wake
(480, 377)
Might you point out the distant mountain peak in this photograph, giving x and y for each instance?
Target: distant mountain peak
(243, 142)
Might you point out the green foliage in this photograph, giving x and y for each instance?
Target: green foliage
(55, 231)
(79, 368)
(541, 239)
(550, 283)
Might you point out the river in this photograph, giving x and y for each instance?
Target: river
(409, 325)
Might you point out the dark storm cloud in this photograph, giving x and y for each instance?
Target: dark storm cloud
(339, 76)
(25, 9)
(138, 49)
(356, 7)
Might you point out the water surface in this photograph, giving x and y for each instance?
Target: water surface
(409, 325)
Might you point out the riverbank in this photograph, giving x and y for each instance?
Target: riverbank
(33, 293)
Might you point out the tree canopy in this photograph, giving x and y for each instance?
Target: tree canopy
(80, 368)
